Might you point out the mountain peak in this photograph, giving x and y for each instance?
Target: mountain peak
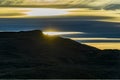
(21, 34)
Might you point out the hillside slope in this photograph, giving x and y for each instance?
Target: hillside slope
(34, 55)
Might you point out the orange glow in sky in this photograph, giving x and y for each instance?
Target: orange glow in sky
(61, 33)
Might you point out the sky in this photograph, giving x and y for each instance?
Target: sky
(93, 4)
(92, 22)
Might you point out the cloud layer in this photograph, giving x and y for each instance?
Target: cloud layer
(94, 4)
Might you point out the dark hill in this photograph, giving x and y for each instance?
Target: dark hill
(34, 55)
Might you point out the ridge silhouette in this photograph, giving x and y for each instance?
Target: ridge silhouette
(33, 55)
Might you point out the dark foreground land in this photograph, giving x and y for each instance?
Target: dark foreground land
(32, 55)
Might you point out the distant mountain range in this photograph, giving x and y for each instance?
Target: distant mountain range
(32, 55)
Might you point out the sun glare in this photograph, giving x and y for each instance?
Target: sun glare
(61, 33)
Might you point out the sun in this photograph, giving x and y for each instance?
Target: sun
(56, 32)
(60, 33)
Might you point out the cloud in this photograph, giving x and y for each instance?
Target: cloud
(11, 2)
(93, 4)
